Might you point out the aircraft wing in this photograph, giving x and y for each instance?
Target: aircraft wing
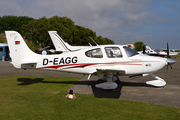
(111, 70)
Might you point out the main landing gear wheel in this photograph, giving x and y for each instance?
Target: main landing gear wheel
(109, 85)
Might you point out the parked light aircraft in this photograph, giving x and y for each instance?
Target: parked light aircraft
(159, 52)
(61, 45)
(98, 60)
(163, 53)
(150, 51)
(173, 52)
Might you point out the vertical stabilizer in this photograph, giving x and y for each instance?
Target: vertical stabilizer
(148, 48)
(59, 43)
(19, 51)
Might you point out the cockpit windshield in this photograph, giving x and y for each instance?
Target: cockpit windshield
(130, 52)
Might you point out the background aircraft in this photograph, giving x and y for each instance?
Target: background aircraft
(159, 52)
(104, 61)
(171, 52)
(150, 51)
(61, 45)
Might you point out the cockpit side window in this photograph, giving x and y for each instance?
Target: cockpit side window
(130, 52)
(94, 53)
(113, 52)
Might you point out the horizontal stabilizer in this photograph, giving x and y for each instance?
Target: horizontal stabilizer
(28, 65)
(25, 65)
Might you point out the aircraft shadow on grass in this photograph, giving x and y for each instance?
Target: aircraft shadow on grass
(101, 93)
(116, 93)
(29, 81)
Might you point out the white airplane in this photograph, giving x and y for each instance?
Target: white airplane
(173, 53)
(150, 51)
(98, 60)
(159, 52)
(61, 45)
(163, 53)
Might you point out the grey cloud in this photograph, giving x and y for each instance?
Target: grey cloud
(102, 12)
(10, 8)
(105, 17)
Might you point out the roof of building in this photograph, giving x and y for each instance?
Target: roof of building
(3, 44)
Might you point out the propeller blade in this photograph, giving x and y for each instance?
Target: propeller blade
(144, 49)
(170, 66)
(167, 50)
(169, 63)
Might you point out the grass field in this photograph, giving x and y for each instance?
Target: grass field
(43, 98)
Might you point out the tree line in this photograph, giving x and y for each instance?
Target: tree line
(36, 30)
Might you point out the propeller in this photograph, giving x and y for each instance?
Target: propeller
(169, 61)
(144, 49)
(168, 51)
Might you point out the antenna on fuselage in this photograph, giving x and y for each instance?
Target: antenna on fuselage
(94, 41)
(89, 44)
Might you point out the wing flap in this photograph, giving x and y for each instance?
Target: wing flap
(111, 70)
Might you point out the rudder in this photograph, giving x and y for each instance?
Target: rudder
(59, 43)
(19, 51)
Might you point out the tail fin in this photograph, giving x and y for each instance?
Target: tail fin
(148, 48)
(20, 53)
(59, 43)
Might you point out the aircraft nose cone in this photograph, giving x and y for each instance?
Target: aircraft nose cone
(170, 61)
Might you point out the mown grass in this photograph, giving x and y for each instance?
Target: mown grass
(35, 98)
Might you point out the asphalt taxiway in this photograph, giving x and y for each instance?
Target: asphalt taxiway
(133, 90)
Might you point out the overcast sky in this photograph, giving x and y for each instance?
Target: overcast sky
(154, 22)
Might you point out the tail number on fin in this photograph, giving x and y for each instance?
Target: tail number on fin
(57, 61)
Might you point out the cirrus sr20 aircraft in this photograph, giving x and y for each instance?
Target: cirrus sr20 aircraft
(103, 61)
(61, 45)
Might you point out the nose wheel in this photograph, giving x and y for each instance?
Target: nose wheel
(159, 82)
